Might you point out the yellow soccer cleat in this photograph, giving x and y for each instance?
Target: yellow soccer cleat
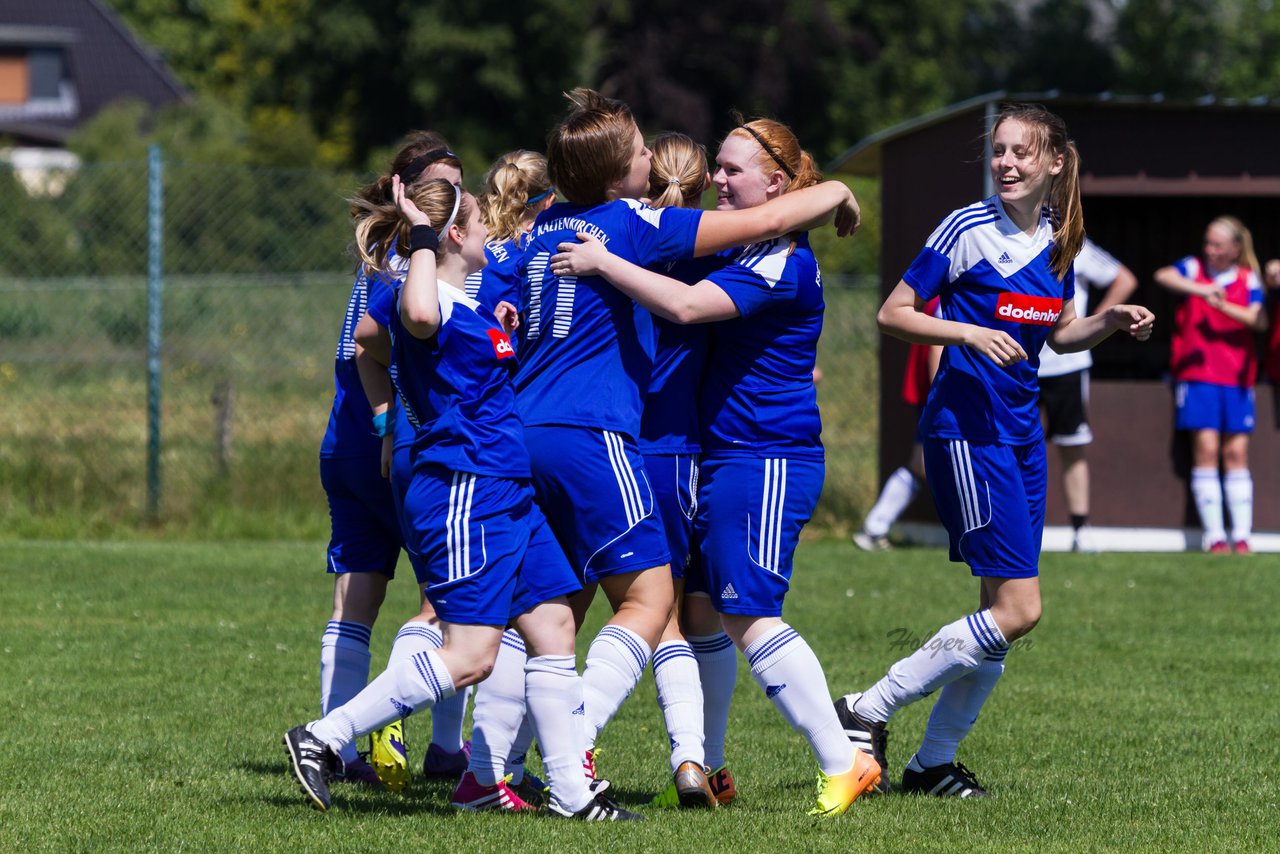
(388, 756)
(838, 791)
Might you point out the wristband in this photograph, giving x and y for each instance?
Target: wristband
(423, 237)
(380, 425)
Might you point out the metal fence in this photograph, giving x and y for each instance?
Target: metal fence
(167, 334)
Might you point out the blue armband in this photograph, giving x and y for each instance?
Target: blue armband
(380, 425)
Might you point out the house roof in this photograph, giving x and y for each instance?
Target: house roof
(863, 158)
(105, 62)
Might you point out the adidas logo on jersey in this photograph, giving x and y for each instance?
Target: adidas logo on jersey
(1024, 308)
(1004, 258)
(501, 344)
(774, 690)
(728, 592)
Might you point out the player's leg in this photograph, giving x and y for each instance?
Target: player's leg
(897, 494)
(1199, 411)
(1237, 482)
(1064, 400)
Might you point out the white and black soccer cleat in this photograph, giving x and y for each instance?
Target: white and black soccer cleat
(599, 808)
(314, 765)
(951, 780)
(870, 737)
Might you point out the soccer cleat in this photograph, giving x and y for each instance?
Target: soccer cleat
(314, 763)
(1241, 547)
(599, 808)
(589, 763)
(389, 756)
(722, 784)
(1219, 547)
(1083, 541)
(951, 780)
(360, 772)
(471, 795)
(532, 790)
(869, 543)
(871, 737)
(837, 791)
(440, 764)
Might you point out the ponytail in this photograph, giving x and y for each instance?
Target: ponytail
(380, 228)
(1068, 224)
(514, 183)
(677, 172)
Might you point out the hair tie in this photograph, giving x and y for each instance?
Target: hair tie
(674, 181)
(769, 151)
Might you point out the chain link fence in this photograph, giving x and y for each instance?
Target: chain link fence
(167, 335)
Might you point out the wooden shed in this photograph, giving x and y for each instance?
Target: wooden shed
(1154, 172)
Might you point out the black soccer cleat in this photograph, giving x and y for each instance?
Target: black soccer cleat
(868, 736)
(951, 780)
(314, 765)
(600, 808)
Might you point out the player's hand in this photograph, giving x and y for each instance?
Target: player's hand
(507, 316)
(1216, 298)
(407, 208)
(997, 345)
(388, 449)
(1135, 319)
(585, 258)
(848, 216)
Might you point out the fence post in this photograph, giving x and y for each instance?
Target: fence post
(155, 293)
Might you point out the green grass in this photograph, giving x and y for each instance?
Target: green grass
(145, 686)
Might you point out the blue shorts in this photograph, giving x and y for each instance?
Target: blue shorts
(990, 498)
(1206, 406)
(750, 512)
(487, 554)
(365, 528)
(592, 485)
(675, 483)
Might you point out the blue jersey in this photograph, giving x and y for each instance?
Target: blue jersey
(456, 390)
(988, 273)
(583, 361)
(500, 278)
(669, 422)
(350, 432)
(758, 398)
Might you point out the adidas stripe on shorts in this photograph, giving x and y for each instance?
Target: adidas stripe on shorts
(593, 487)
(750, 512)
(991, 498)
(485, 552)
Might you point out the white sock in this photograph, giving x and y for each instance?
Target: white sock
(413, 683)
(899, 491)
(344, 667)
(718, 669)
(616, 660)
(446, 715)
(956, 711)
(498, 712)
(1206, 489)
(414, 637)
(792, 678)
(955, 650)
(553, 692)
(675, 672)
(1237, 485)
(520, 750)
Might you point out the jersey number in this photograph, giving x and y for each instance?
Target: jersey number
(565, 292)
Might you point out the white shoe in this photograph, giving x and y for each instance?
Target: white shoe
(1083, 541)
(868, 543)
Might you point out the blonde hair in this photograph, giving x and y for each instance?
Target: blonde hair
(779, 149)
(380, 228)
(1243, 238)
(591, 147)
(1050, 140)
(514, 183)
(678, 171)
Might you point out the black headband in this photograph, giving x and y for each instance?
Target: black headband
(419, 164)
(769, 151)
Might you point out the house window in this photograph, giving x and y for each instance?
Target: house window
(46, 72)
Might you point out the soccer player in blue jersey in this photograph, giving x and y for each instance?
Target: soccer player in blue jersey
(584, 368)
(1003, 270)
(487, 556)
(366, 538)
(762, 460)
(516, 190)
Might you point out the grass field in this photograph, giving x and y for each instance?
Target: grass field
(145, 687)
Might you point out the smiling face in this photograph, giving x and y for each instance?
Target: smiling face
(1221, 247)
(1021, 166)
(740, 181)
